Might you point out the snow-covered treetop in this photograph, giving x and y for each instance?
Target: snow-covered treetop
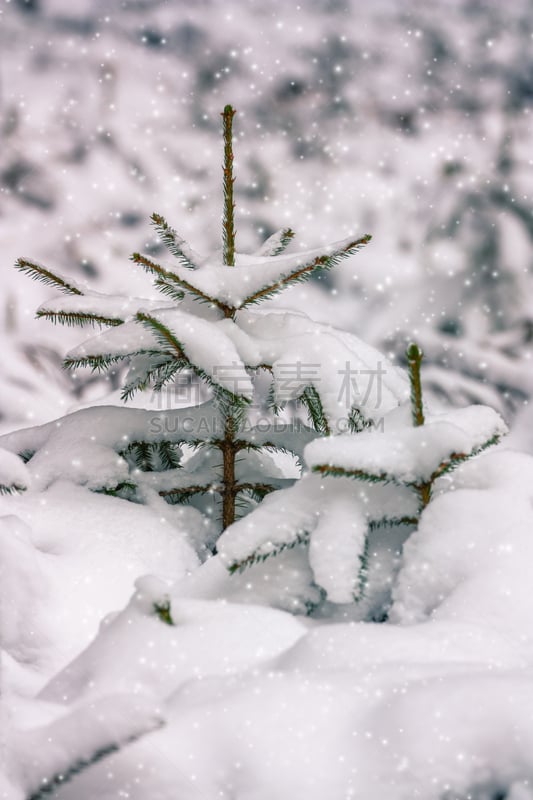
(206, 324)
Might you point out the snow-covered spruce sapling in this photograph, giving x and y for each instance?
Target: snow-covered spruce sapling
(357, 490)
(417, 457)
(251, 361)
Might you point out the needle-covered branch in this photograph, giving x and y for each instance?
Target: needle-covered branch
(99, 362)
(166, 338)
(305, 270)
(175, 243)
(153, 371)
(46, 276)
(276, 244)
(77, 318)
(270, 550)
(166, 278)
(330, 470)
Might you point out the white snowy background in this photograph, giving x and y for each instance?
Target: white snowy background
(410, 121)
(407, 120)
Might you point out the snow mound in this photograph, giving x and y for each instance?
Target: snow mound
(69, 558)
(470, 558)
(206, 638)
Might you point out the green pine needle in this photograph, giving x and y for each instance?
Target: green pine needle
(391, 522)
(357, 422)
(313, 403)
(142, 454)
(169, 455)
(164, 279)
(164, 335)
(276, 244)
(362, 575)
(12, 488)
(357, 474)
(164, 612)
(174, 243)
(169, 290)
(157, 376)
(77, 318)
(259, 556)
(183, 494)
(44, 275)
(51, 785)
(456, 459)
(98, 363)
(123, 489)
(303, 272)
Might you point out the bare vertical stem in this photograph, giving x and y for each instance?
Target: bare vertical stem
(414, 360)
(228, 474)
(228, 238)
(228, 220)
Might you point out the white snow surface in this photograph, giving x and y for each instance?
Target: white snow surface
(116, 307)
(207, 346)
(84, 446)
(258, 703)
(68, 558)
(344, 370)
(436, 702)
(470, 557)
(208, 638)
(331, 514)
(412, 454)
(75, 737)
(336, 548)
(122, 340)
(298, 351)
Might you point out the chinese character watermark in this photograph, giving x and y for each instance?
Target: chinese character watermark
(357, 390)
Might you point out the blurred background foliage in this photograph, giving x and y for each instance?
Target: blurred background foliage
(405, 119)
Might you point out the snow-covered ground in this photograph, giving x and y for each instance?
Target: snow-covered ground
(248, 700)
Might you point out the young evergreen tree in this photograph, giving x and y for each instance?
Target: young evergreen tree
(358, 489)
(204, 321)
